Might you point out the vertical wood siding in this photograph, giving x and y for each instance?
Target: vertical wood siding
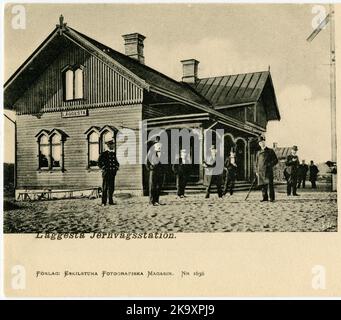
(102, 86)
(75, 149)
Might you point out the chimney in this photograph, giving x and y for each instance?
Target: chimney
(190, 70)
(133, 43)
(275, 145)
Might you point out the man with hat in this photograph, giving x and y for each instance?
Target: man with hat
(313, 171)
(291, 171)
(155, 169)
(182, 171)
(109, 165)
(266, 159)
(212, 174)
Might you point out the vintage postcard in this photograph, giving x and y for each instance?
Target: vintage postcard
(171, 149)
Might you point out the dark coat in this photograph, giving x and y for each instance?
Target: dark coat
(265, 161)
(313, 171)
(181, 169)
(230, 169)
(292, 163)
(303, 170)
(107, 161)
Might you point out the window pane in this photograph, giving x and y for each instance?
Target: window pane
(44, 140)
(93, 137)
(69, 85)
(56, 154)
(55, 138)
(93, 154)
(79, 84)
(107, 136)
(43, 156)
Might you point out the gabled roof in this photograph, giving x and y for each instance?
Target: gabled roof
(239, 89)
(145, 77)
(56, 42)
(148, 74)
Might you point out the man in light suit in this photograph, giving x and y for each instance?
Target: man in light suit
(212, 175)
(155, 169)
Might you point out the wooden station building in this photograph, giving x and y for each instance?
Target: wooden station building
(74, 93)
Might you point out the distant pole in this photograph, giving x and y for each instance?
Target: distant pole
(332, 83)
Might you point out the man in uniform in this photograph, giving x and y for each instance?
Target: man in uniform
(291, 170)
(107, 161)
(182, 171)
(302, 174)
(155, 169)
(211, 176)
(266, 159)
(313, 171)
(231, 173)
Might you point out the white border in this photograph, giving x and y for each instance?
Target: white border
(2, 296)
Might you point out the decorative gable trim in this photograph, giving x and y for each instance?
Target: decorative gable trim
(86, 45)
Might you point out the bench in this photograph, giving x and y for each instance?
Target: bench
(48, 194)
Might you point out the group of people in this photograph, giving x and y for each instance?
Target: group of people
(295, 172)
(182, 170)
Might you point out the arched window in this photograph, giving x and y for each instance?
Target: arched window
(106, 136)
(68, 85)
(44, 150)
(73, 79)
(96, 139)
(93, 140)
(79, 83)
(51, 149)
(56, 151)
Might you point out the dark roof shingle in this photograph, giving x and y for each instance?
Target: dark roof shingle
(232, 89)
(148, 74)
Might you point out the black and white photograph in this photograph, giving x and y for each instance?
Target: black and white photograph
(159, 119)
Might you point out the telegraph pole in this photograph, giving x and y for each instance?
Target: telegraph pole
(332, 80)
(332, 83)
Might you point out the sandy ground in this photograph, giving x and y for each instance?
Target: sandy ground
(312, 211)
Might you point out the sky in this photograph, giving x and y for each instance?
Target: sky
(226, 39)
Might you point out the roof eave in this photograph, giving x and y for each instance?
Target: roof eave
(274, 98)
(213, 113)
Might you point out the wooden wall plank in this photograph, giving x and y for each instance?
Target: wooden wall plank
(75, 149)
(100, 81)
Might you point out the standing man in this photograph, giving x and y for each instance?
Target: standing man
(302, 174)
(231, 173)
(155, 169)
(182, 171)
(292, 164)
(211, 176)
(266, 159)
(107, 161)
(313, 171)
